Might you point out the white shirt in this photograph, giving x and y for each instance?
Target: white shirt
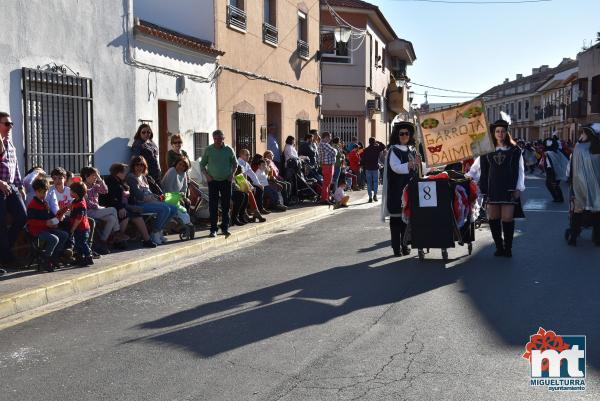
(57, 200)
(339, 194)
(396, 164)
(247, 171)
(289, 152)
(262, 178)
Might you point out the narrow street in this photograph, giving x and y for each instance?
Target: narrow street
(323, 312)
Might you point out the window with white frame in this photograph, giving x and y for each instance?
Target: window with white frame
(333, 50)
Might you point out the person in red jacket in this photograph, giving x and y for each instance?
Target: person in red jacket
(42, 223)
(80, 225)
(354, 160)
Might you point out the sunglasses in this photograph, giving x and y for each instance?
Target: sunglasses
(8, 124)
(404, 133)
(177, 143)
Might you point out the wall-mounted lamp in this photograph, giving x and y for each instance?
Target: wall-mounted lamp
(342, 34)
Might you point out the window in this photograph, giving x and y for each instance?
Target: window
(332, 50)
(236, 16)
(270, 34)
(302, 128)
(302, 45)
(377, 53)
(345, 127)
(58, 120)
(383, 60)
(596, 94)
(200, 144)
(520, 110)
(370, 60)
(244, 128)
(527, 109)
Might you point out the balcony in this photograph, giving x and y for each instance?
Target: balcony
(303, 49)
(578, 109)
(236, 18)
(270, 34)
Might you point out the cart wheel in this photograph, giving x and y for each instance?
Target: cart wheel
(445, 255)
(183, 235)
(427, 250)
(470, 248)
(421, 255)
(477, 224)
(567, 234)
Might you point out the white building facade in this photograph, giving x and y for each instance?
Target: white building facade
(78, 79)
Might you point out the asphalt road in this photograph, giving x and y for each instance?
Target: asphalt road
(323, 312)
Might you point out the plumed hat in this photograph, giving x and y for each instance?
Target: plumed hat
(498, 123)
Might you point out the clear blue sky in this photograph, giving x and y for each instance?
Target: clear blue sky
(474, 47)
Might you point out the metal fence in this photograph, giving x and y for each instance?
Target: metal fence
(344, 127)
(244, 127)
(58, 120)
(236, 17)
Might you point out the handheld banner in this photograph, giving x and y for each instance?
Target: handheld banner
(455, 134)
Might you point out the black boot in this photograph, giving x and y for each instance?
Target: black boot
(575, 228)
(508, 229)
(396, 233)
(496, 229)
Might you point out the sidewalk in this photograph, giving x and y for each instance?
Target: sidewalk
(25, 290)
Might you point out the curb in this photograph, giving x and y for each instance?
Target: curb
(31, 298)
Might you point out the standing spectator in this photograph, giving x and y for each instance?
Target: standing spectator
(289, 150)
(11, 193)
(556, 168)
(218, 166)
(142, 196)
(273, 144)
(339, 160)
(327, 156)
(119, 197)
(176, 152)
(308, 148)
(352, 145)
(354, 160)
(96, 187)
(79, 225)
(370, 163)
(144, 146)
(42, 224)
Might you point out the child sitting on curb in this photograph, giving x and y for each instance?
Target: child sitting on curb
(340, 197)
(42, 224)
(80, 226)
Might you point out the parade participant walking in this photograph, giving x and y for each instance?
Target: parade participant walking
(401, 164)
(218, 166)
(370, 163)
(327, 154)
(502, 181)
(584, 177)
(556, 168)
(11, 193)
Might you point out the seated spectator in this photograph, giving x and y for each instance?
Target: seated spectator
(31, 175)
(276, 180)
(340, 197)
(176, 152)
(119, 197)
(59, 197)
(275, 199)
(42, 224)
(108, 215)
(248, 172)
(247, 188)
(175, 181)
(141, 195)
(80, 226)
(239, 198)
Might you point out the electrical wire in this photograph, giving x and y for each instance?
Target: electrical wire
(478, 2)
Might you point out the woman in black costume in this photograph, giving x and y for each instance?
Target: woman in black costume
(402, 163)
(502, 181)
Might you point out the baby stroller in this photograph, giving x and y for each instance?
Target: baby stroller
(302, 188)
(198, 207)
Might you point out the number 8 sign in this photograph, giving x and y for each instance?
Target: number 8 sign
(427, 194)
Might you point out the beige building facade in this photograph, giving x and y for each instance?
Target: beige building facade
(269, 78)
(358, 77)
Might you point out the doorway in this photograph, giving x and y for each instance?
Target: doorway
(274, 130)
(168, 122)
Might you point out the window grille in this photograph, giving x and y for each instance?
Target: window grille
(344, 127)
(58, 120)
(244, 127)
(200, 144)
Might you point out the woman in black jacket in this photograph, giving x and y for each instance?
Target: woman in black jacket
(143, 145)
(118, 197)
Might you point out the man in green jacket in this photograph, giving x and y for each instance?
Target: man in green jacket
(218, 166)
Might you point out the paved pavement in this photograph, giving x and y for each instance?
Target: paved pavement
(322, 312)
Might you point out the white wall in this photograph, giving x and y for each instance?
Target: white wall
(191, 17)
(90, 40)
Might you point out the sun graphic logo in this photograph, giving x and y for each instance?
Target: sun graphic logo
(557, 361)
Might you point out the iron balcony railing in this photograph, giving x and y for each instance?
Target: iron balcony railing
(302, 48)
(236, 17)
(270, 33)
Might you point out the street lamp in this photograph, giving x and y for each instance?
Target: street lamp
(342, 34)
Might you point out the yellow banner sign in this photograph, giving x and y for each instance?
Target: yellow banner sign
(455, 134)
